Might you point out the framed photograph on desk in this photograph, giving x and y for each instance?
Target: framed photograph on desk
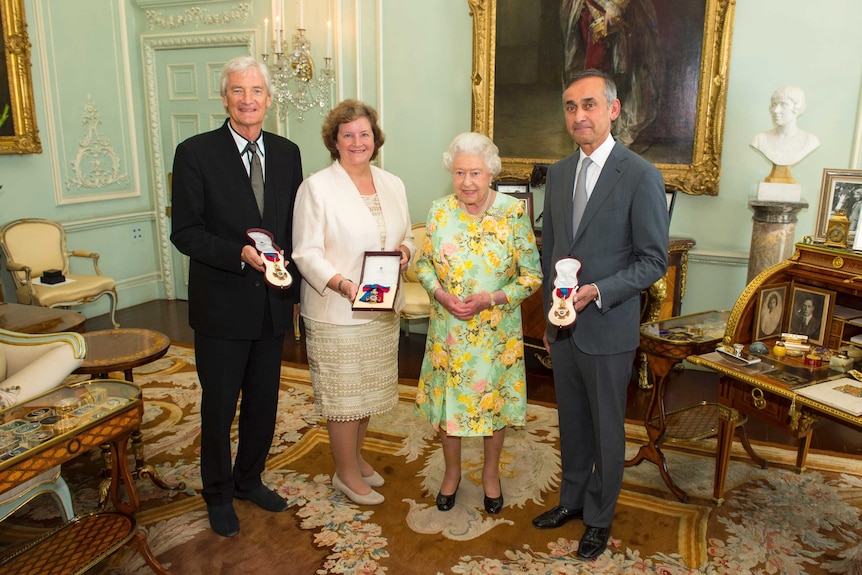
(810, 312)
(769, 314)
(839, 190)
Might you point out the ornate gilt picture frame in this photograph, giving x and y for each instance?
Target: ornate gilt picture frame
(695, 85)
(18, 132)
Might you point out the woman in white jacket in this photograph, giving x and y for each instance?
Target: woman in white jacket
(341, 212)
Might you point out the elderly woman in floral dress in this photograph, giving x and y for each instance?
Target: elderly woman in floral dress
(479, 262)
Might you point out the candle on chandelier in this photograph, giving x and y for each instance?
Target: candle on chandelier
(329, 39)
(277, 28)
(266, 35)
(301, 15)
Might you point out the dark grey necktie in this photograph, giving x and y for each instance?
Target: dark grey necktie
(579, 202)
(256, 176)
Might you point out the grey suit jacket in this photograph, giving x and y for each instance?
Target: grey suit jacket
(621, 243)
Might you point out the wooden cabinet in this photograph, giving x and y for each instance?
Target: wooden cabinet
(661, 301)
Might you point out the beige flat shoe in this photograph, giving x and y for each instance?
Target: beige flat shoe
(375, 480)
(372, 498)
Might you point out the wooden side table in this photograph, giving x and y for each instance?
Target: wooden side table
(37, 319)
(123, 350)
(666, 343)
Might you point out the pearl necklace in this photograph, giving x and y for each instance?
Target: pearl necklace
(476, 217)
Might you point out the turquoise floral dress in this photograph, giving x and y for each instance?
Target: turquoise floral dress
(473, 380)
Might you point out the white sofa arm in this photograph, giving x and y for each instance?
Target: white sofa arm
(38, 363)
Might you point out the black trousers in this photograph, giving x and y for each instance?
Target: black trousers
(228, 368)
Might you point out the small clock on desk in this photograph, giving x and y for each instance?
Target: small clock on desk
(837, 230)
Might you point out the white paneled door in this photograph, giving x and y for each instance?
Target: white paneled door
(187, 102)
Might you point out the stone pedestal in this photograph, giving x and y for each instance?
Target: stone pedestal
(772, 238)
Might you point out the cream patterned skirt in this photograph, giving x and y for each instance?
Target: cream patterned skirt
(354, 368)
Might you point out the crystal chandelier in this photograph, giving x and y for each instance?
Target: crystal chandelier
(297, 84)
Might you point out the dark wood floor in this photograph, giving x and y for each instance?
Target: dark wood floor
(685, 387)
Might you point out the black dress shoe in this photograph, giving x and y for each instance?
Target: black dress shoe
(594, 542)
(447, 502)
(223, 519)
(556, 517)
(494, 505)
(264, 498)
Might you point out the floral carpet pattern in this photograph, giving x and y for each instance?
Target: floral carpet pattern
(772, 521)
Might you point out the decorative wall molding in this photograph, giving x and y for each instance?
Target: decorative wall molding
(61, 83)
(718, 258)
(158, 163)
(107, 222)
(197, 16)
(96, 165)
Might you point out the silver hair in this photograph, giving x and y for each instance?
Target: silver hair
(610, 86)
(475, 144)
(793, 94)
(243, 64)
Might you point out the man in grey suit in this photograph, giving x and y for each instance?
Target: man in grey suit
(621, 242)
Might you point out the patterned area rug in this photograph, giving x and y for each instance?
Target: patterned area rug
(772, 521)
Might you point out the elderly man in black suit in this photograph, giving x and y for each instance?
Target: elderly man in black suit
(239, 321)
(621, 242)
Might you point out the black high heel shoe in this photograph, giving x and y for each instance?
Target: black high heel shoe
(494, 505)
(447, 502)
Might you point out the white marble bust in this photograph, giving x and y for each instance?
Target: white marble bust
(785, 144)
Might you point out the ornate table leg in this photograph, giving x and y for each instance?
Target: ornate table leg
(122, 474)
(107, 470)
(660, 368)
(727, 421)
(148, 471)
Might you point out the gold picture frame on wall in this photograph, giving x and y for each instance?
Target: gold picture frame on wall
(18, 132)
(697, 66)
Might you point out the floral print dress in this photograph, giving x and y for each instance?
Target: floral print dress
(473, 380)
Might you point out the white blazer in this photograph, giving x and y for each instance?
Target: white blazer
(332, 230)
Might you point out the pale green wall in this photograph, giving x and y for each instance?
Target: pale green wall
(774, 44)
(414, 64)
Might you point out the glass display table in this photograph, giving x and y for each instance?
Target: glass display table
(52, 428)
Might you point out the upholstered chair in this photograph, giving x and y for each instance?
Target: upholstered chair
(417, 304)
(31, 247)
(31, 365)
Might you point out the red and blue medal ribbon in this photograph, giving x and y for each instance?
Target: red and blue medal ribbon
(373, 292)
(564, 292)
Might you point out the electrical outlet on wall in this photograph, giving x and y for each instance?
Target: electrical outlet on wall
(137, 233)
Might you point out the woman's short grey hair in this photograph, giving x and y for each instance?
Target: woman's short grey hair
(792, 94)
(474, 144)
(243, 64)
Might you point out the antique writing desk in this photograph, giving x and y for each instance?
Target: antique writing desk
(770, 396)
(110, 411)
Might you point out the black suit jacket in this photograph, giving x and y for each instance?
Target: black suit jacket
(213, 205)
